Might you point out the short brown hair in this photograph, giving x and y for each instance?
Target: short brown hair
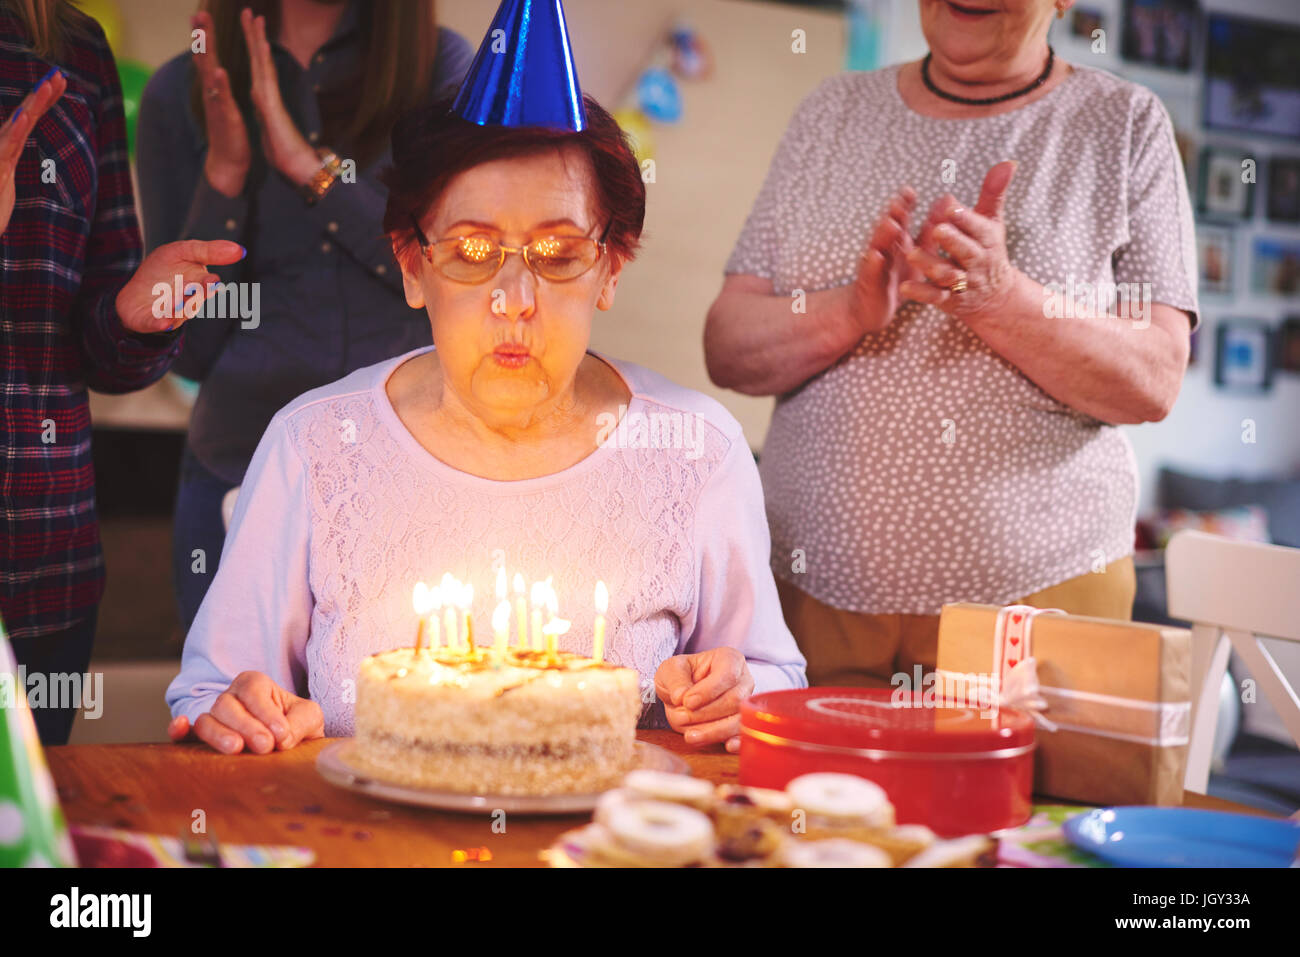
(432, 145)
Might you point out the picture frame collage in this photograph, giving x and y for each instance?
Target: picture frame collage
(1233, 85)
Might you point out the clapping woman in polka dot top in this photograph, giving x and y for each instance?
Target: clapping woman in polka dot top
(960, 276)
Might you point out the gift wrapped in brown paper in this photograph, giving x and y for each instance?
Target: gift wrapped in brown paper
(1116, 693)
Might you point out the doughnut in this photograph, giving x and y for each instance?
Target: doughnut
(977, 850)
(733, 799)
(661, 834)
(901, 843)
(841, 800)
(832, 853)
(673, 788)
(609, 800)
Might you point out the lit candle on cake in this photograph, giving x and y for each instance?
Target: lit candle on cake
(598, 636)
(501, 626)
(433, 607)
(552, 606)
(450, 589)
(554, 628)
(521, 610)
(537, 598)
(467, 609)
(420, 600)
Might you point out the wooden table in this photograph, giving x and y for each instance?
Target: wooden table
(280, 798)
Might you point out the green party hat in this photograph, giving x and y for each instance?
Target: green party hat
(32, 829)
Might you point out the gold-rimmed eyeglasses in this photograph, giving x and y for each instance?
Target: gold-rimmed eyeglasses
(477, 258)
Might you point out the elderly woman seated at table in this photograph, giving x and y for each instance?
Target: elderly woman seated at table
(508, 443)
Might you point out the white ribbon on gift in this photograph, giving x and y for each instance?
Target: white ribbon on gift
(1017, 686)
(1014, 663)
(1020, 689)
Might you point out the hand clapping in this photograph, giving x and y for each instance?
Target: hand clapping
(14, 132)
(976, 244)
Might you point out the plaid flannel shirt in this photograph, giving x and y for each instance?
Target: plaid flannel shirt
(72, 243)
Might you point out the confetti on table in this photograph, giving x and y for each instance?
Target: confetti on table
(311, 809)
(295, 825)
(362, 835)
(480, 854)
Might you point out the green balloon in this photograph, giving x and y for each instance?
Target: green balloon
(134, 75)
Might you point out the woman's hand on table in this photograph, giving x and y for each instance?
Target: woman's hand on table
(976, 243)
(256, 714)
(874, 295)
(286, 149)
(229, 153)
(14, 132)
(702, 695)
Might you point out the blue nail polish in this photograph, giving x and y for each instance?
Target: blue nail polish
(46, 78)
(13, 117)
(193, 289)
(243, 252)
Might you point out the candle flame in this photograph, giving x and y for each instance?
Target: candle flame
(501, 582)
(556, 626)
(602, 598)
(519, 584)
(538, 594)
(501, 617)
(420, 598)
(552, 602)
(466, 596)
(435, 599)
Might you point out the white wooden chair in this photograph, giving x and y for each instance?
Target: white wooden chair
(1233, 593)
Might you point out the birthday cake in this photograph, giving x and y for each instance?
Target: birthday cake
(522, 722)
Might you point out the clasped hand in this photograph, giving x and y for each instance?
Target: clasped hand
(702, 695)
(896, 267)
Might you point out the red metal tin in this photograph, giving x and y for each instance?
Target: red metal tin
(956, 770)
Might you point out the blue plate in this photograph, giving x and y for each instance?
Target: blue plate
(1184, 837)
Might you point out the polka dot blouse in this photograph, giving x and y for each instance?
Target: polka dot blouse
(923, 468)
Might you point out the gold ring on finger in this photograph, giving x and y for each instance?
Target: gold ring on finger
(958, 287)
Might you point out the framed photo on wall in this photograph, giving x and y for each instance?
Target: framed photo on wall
(1288, 345)
(1221, 193)
(1160, 33)
(1252, 84)
(1214, 259)
(1283, 204)
(1243, 358)
(1275, 266)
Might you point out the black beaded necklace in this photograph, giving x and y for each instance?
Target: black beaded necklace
(1042, 78)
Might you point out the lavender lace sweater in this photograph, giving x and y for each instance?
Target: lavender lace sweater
(342, 511)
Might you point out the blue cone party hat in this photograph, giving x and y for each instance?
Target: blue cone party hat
(523, 74)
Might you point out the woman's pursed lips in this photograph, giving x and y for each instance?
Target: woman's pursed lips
(968, 11)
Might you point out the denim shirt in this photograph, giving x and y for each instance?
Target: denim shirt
(328, 293)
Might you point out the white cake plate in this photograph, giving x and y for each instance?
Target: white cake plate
(335, 765)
